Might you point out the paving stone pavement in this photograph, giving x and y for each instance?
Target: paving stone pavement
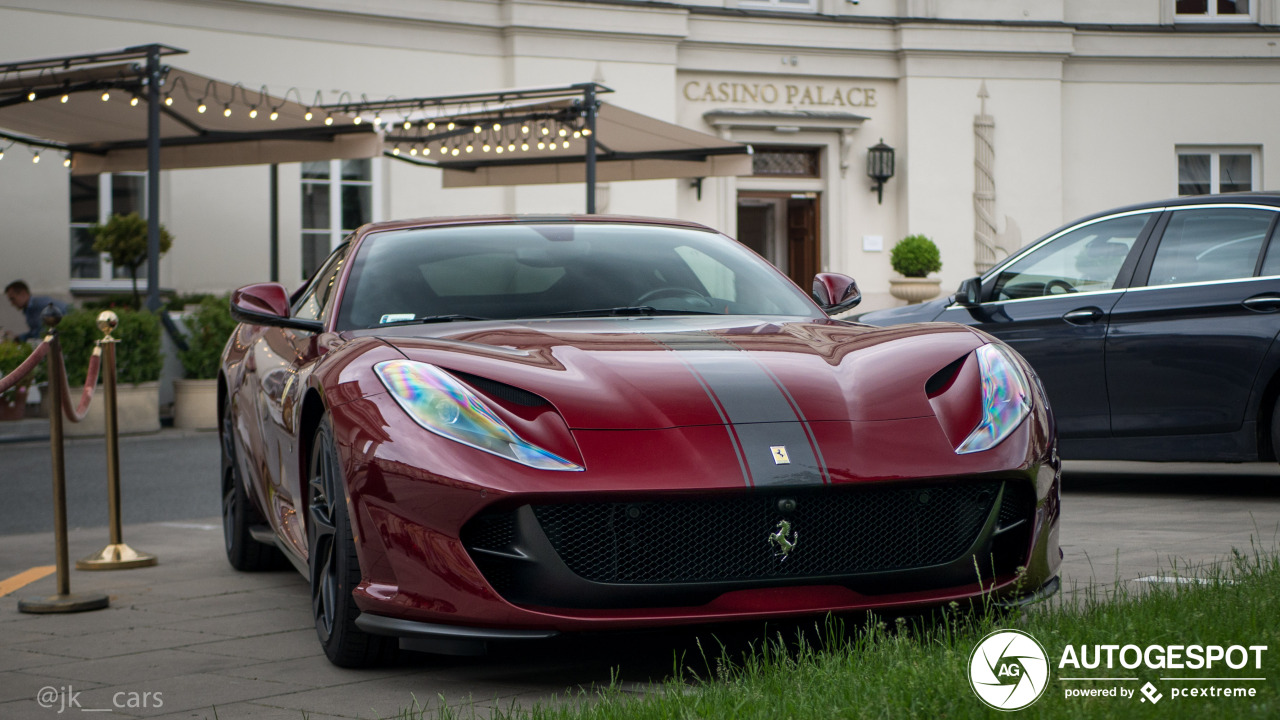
(191, 637)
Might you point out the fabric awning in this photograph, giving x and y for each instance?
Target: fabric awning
(65, 110)
(629, 146)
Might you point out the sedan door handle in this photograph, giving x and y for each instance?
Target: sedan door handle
(1262, 303)
(1083, 316)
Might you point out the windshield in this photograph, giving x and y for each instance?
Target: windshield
(535, 270)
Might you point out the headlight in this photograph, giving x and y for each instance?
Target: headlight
(1006, 399)
(444, 406)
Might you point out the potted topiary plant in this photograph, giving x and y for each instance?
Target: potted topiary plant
(138, 365)
(124, 238)
(13, 402)
(195, 399)
(914, 257)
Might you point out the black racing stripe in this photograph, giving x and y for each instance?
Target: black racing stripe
(760, 413)
(804, 422)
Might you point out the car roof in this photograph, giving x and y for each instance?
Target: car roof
(464, 220)
(1252, 198)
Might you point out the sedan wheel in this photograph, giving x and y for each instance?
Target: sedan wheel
(335, 569)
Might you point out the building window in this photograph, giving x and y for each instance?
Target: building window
(794, 162)
(1213, 10)
(797, 5)
(1203, 171)
(94, 199)
(338, 196)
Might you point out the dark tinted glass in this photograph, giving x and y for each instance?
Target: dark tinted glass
(128, 194)
(357, 206)
(539, 270)
(84, 198)
(1193, 175)
(1235, 173)
(85, 262)
(315, 207)
(1201, 245)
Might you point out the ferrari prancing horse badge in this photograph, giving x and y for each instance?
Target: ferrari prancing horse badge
(780, 455)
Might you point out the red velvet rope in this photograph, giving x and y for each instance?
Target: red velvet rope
(77, 413)
(22, 371)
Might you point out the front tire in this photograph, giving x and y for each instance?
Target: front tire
(238, 514)
(335, 569)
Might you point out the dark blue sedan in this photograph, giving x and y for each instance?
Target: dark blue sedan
(1153, 327)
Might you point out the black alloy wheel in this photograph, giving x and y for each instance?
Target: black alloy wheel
(238, 514)
(335, 569)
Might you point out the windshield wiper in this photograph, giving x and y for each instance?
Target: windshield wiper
(626, 310)
(427, 320)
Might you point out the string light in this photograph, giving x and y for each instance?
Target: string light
(253, 112)
(407, 124)
(358, 120)
(511, 147)
(66, 162)
(31, 96)
(133, 101)
(308, 115)
(431, 124)
(566, 144)
(562, 132)
(328, 119)
(35, 159)
(454, 152)
(450, 126)
(546, 130)
(486, 147)
(586, 131)
(477, 129)
(542, 145)
(168, 99)
(497, 127)
(226, 110)
(413, 150)
(426, 150)
(106, 96)
(577, 134)
(275, 114)
(65, 97)
(498, 149)
(396, 151)
(524, 146)
(525, 128)
(377, 119)
(201, 107)
(470, 147)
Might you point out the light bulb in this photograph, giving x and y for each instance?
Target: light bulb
(357, 121)
(377, 119)
(413, 150)
(407, 124)
(226, 111)
(275, 114)
(35, 159)
(253, 112)
(566, 144)
(31, 95)
(486, 147)
(542, 145)
(133, 101)
(470, 147)
(562, 132)
(431, 124)
(308, 115)
(426, 150)
(476, 129)
(524, 146)
(66, 162)
(497, 127)
(450, 126)
(577, 134)
(454, 152)
(328, 119)
(201, 107)
(498, 149)
(586, 131)
(65, 97)
(545, 130)
(524, 129)
(106, 96)
(511, 147)
(395, 151)
(168, 99)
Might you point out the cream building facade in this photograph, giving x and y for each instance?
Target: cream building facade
(1007, 118)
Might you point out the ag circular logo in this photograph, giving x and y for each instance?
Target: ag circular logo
(1008, 670)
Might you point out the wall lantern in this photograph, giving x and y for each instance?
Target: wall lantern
(880, 167)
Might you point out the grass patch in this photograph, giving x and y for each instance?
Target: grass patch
(917, 667)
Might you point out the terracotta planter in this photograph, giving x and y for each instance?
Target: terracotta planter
(137, 411)
(195, 404)
(915, 290)
(14, 409)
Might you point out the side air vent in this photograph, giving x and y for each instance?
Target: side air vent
(502, 391)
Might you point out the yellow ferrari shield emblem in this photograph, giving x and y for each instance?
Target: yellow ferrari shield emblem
(780, 455)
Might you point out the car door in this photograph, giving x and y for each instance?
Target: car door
(1187, 340)
(1052, 303)
(281, 355)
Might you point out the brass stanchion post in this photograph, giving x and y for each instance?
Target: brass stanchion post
(117, 555)
(64, 601)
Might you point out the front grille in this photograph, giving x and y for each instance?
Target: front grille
(1018, 504)
(836, 531)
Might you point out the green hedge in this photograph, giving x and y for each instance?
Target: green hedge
(208, 329)
(138, 356)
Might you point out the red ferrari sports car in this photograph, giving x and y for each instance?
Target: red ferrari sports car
(479, 429)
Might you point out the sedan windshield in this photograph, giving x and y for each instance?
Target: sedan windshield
(538, 270)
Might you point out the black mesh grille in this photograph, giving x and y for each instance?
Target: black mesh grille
(836, 532)
(490, 532)
(1017, 503)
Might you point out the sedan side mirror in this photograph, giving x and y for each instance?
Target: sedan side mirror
(268, 304)
(835, 293)
(970, 293)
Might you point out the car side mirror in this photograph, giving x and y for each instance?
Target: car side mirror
(969, 294)
(268, 304)
(835, 293)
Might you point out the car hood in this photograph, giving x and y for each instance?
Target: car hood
(664, 372)
(919, 312)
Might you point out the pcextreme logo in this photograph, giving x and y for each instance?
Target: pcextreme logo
(1008, 670)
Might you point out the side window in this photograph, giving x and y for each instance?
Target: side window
(1085, 259)
(313, 302)
(1201, 245)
